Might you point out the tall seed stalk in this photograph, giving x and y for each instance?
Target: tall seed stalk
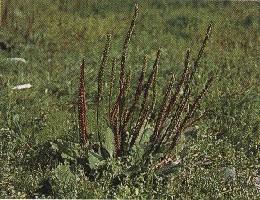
(111, 86)
(103, 66)
(120, 103)
(82, 107)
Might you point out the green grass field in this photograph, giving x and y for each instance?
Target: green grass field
(220, 160)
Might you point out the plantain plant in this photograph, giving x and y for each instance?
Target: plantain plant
(139, 127)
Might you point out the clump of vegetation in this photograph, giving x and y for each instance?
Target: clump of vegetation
(129, 116)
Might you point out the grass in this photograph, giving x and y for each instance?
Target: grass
(37, 123)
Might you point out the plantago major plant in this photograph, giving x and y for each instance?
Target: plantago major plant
(128, 120)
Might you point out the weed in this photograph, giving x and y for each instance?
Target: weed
(177, 112)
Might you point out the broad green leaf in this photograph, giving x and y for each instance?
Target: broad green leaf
(142, 141)
(145, 136)
(94, 159)
(109, 142)
(68, 150)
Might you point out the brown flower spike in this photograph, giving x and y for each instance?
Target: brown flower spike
(82, 108)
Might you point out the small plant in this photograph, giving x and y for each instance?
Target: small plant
(129, 116)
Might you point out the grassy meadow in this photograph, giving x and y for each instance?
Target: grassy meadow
(39, 131)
